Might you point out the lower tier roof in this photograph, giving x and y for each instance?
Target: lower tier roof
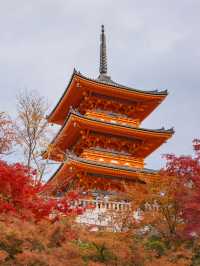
(74, 165)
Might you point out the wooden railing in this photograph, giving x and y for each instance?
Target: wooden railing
(113, 119)
(103, 204)
(107, 157)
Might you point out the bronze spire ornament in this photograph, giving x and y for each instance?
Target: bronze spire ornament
(103, 57)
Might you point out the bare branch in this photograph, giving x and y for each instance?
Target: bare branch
(32, 129)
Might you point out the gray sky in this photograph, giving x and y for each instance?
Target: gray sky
(150, 45)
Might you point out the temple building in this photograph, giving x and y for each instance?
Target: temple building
(100, 145)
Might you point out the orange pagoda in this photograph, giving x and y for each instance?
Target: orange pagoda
(100, 144)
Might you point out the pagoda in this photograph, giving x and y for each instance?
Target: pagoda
(100, 144)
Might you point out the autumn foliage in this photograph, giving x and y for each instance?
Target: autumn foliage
(23, 243)
(186, 170)
(36, 230)
(170, 203)
(20, 196)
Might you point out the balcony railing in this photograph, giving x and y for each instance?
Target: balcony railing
(103, 204)
(107, 157)
(113, 119)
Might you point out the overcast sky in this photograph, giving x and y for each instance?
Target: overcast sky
(150, 45)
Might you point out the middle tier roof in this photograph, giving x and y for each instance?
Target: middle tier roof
(75, 123)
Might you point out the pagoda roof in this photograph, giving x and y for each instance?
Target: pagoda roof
(108, 81)
(104, 86)
(75, 122)
(73, 164)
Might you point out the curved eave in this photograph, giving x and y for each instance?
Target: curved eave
(70, 131)
(72, 95)
(61, 176)
(117, 85)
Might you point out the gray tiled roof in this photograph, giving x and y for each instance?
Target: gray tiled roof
(110, 165)
(108, 81)
(72, 157)
(72, 111)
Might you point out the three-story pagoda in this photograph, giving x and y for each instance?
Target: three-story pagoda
(100, 144)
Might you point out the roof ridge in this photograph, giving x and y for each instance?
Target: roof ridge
(107, 165)
(75, 112)
(110, 82)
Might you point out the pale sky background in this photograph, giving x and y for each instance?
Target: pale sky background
(150, 45)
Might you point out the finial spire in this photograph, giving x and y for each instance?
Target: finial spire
(103, 58)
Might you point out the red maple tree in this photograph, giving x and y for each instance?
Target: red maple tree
(187, 193)
(19, 195)
(170, 203)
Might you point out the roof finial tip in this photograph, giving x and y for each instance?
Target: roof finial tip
(103, 58)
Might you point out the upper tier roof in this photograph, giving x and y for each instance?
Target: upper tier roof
(108, 81)
(103, 85)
